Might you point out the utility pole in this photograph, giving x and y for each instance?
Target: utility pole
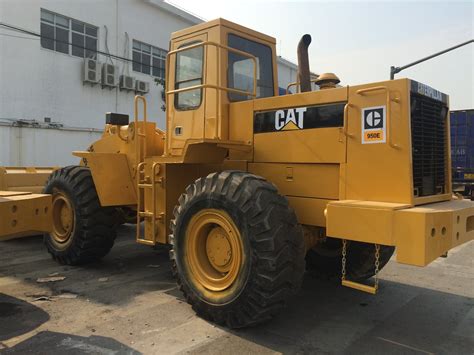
(395, 70)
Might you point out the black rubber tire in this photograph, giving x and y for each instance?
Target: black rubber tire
(469, 192)
(273, 246)
(360, 263)
(126, 215)
(94, 226)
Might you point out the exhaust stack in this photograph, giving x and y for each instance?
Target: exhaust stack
(303, 63)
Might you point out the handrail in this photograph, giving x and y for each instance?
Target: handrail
(119, 134)
(200, 86)
(199, 44)
(345, 129)
(138, 177)
(137, 134)
(389, 116)
(116, 132)
(372, 89)
(153, 194)
(298, 83)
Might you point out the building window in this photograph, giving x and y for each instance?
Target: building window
(63, 34)
(148, 59)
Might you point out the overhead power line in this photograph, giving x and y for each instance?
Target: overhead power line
(35, 34)
(13, 36)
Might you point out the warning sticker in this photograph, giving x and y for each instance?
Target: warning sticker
(374, 125)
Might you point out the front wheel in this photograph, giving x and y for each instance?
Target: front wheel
(237, 249)
(83, 231)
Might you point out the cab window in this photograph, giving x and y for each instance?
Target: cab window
(189, 68)
(241, 68)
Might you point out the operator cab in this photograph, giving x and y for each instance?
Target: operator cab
(209, 66)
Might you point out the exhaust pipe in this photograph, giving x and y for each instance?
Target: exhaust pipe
(304, 77)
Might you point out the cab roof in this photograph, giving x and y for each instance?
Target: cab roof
(225, 23)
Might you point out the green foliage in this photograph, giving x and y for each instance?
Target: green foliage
(162, 82)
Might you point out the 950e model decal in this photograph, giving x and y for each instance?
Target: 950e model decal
(374, 125)
(298, 118)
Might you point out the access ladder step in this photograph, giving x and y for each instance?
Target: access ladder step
(361, 287)
(145, 185)
(145, 241)
(146, 214)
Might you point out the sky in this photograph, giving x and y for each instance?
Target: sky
(360, 40)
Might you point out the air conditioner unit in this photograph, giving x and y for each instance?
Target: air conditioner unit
(127, 83)
(142, 87)
(91, 71)
(109, 77)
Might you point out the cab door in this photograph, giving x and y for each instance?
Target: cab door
(186, 109)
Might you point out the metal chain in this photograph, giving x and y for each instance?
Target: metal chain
(344, 252)
(377, 265)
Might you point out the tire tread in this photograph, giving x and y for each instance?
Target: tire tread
(277, 248)
(94, 225)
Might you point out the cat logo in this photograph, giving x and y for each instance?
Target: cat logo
(298, 118)
(290, 119)
(373, 125)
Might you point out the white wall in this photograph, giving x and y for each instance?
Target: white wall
(286, 74)
(36, 83)
(42, 147)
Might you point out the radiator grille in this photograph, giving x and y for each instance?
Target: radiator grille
(429, 141)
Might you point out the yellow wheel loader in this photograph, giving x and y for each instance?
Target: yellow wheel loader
(248, 186)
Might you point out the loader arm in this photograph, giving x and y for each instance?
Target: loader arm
(24, 214)
(24, 210)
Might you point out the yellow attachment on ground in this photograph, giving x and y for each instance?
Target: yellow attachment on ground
(421, 234)
(29, 179)
(24, 213)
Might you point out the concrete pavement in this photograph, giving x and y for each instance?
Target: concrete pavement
(128, 304)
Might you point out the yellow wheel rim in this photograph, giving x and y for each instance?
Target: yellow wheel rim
(63, 218)
(214, 249)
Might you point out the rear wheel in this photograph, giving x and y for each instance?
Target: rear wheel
(237, 249)
(325, 259)
(83, 231)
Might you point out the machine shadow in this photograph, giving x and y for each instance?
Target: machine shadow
(61, 343)
(130, 269)
(328, 318)
(18, 317)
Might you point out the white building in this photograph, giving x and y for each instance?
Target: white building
(46, 109)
